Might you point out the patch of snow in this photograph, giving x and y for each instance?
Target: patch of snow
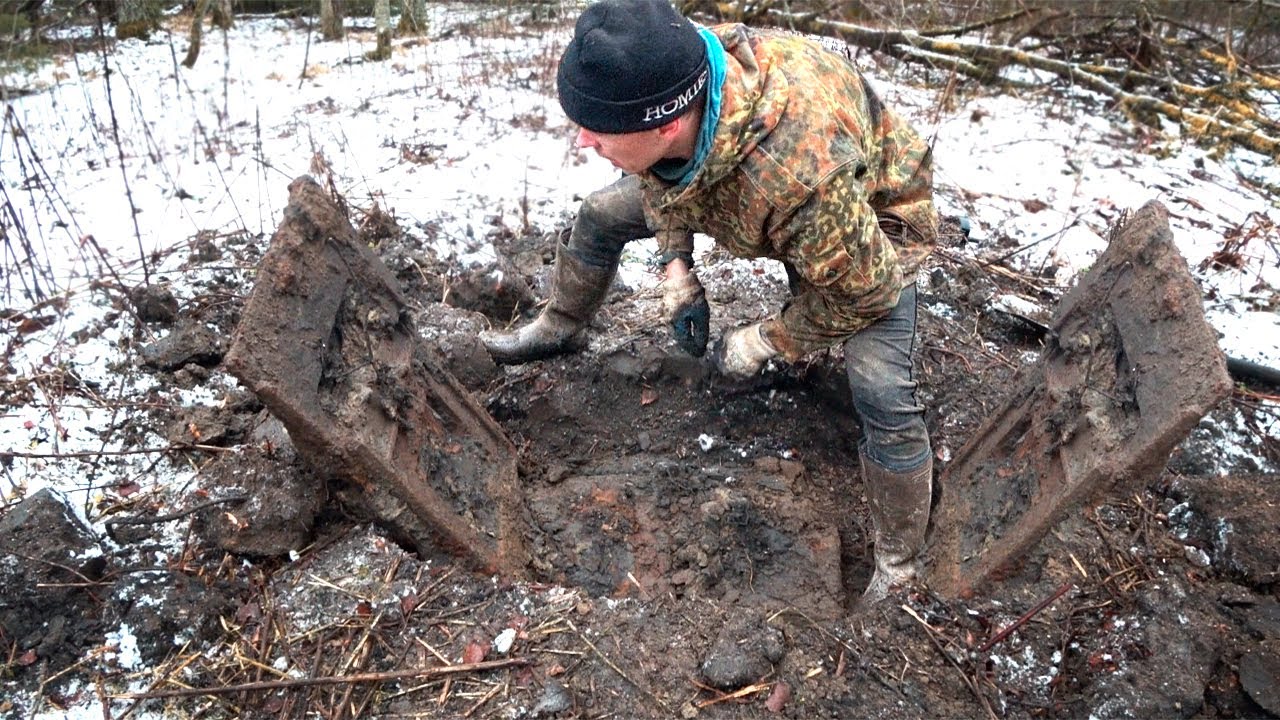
(125, 646)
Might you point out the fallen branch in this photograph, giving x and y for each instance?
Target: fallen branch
(173, 515)
(931, 633)
(1224, 116)
(726, 697)
(375, 677)
(110, 453)
(1000, 636)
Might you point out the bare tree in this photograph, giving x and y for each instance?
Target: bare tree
(331, 20)
(220, 11)
(221, 14)
(382, 28)
(137, 18)
(413, 18)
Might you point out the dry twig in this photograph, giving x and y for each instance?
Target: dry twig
(373, 677)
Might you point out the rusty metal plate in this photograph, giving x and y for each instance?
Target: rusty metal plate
(327, 344)
(1130, 367)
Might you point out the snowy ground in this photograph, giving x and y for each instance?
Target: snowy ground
(453, 134)
(456, 133)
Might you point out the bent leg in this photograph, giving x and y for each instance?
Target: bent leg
(897, 463)
(609, 218)
(585, 265)
(878, 363)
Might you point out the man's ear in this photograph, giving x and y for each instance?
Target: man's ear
(673, 128)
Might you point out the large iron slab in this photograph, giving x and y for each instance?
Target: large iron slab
(327, 343)
(1130, 367)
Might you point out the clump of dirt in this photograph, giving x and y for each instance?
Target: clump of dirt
(696, 547)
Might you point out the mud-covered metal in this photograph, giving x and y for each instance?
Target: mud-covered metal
(326, 343)
(1130, 367)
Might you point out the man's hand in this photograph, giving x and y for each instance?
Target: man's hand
(741, 352)
(684, 305)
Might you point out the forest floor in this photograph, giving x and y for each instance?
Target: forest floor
(697, 545)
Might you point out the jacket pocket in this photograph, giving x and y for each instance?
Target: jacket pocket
(828, 263)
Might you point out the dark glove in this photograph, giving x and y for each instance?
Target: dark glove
(684, 305)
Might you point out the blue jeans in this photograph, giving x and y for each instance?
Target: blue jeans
(878, 362)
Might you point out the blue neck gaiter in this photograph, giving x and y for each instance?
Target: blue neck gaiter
(683, 174)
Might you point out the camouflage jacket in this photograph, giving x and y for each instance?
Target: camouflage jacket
(805, 167)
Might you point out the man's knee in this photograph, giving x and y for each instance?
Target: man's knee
(607, 220)
(898, 449)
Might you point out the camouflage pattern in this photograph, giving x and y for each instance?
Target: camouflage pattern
(809, 168)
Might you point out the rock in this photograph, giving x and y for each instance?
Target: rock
(1264, 619)
(279, 515)
(46, 557)
(1260, 675)
(271, 437)
(202, 425)
(191, 612)
(555, 698)
(190, 342)
(154, 303)
(1234, 525)
(745, 651)
(1174, 684)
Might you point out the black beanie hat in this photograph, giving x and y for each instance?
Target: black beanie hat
(632, 65)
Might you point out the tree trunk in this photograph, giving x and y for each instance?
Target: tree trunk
(197, 31)
(138, 18)
(382, 27)
(413, 18)
(330, 20)
(223, 16)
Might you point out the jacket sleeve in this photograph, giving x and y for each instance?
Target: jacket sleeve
(674, 243)
(849, 274)
(673, 238)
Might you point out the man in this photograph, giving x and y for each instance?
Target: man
(775, 147)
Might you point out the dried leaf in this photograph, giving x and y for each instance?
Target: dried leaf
(408, 603)
(27, 658)
(779, 697)
(249, 612)
(474, 653)
(35, 324)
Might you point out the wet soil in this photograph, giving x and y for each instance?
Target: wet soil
(697, 545)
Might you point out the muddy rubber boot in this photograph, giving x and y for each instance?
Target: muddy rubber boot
(577, 290)
(900, 513)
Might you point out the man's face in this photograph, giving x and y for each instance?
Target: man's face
(630, 152)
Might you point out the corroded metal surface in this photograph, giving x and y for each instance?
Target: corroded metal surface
(326, 342)
(1130, 367)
